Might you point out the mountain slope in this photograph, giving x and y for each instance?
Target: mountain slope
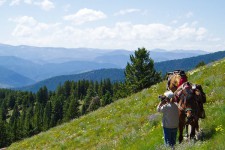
(44, 55)
(52, 83)
(9, 79)
(96, 75)
(21, 66)
(132, 123)
(188, 63)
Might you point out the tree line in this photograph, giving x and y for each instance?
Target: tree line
(24, 114)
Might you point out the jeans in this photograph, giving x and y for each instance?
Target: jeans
(170, 135)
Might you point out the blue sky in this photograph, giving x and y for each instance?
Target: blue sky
(117, 24)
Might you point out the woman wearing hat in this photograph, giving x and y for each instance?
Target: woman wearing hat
(170, 119)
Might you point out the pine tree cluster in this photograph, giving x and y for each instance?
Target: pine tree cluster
(24, 114)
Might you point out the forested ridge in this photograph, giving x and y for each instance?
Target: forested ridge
(132, 122)
(24, 114)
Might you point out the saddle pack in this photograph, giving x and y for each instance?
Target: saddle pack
(181, 73)
(189, 91)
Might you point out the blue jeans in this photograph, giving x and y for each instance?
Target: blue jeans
(170, 135)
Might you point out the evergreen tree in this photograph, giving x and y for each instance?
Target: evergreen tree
(107, 99)
(22, 121)
(140, 72)
(3, 111)
(57, 111)
(31, 98)
(120, 91)
(47, 115)
(42, 95)
(14, 124)
(11, 101)
(5, 135)
(73, 110)
(38, 118)
(202, 63)
(29, 123)
(67, 88)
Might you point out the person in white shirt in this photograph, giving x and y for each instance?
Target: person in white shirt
(170, 119)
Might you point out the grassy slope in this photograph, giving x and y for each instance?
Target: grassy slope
(129, 124)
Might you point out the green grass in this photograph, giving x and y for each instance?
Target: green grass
(132, 123)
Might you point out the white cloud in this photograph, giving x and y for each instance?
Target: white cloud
(126, 11)
(29, 27)
(174, 22)
(194, 23)
(85, 15)
(27, 20)
(66, 7)
(28, 1)
(45, 4)
(2, 2)
(122, 35)
(15, 2)
(189, 14)
(18, 2)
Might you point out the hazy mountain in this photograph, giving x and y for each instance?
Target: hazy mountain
(51, 54)
(188, 63)
(159, 55)
(118, 74)
(121, 57)
(40, 63)
(9, 79)
(96, 75)
(71, 67)
(21, 66)
(43, 55)
(39, 72)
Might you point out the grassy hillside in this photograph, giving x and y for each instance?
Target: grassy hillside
(133, 123)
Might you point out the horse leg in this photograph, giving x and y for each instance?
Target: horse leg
(197, 126)
(180, 132)
(192, 132)
(187, 134)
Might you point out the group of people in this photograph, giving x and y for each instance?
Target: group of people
(169, 108)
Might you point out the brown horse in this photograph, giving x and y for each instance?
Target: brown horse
(189, 99)
(188, 110)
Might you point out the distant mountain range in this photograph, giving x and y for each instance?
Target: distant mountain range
(118, 74)
(43, 55)
(188, 63)
(96, 75)
(34, 64)
(10, 79)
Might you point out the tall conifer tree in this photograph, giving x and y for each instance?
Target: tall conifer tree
(140, 72)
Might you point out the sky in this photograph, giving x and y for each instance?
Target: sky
(117, 24)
